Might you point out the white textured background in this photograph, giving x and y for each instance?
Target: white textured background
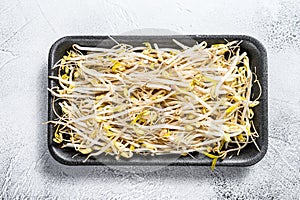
(27, 30)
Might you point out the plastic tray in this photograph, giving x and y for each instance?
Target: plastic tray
(248, 156)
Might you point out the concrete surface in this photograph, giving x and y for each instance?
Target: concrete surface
(27, 30)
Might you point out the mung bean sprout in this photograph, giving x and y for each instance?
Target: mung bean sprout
(129, 100)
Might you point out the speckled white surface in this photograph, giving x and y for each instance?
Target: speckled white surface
(27, 30)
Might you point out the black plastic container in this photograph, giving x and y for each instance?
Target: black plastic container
(248, 156)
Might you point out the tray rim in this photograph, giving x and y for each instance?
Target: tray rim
(243, 163)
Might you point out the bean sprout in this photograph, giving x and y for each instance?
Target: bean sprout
(141, 100)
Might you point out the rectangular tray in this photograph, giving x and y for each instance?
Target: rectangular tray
(248, 156)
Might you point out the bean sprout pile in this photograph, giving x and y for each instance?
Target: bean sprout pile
(128, 100)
